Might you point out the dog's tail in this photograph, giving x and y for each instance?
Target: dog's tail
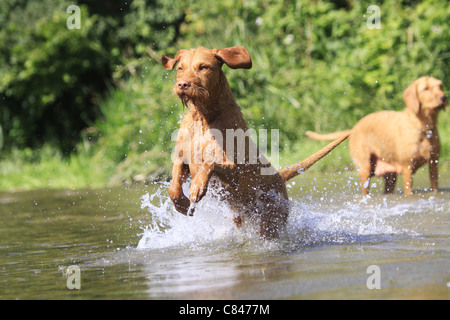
(295, 169)
(327, 137)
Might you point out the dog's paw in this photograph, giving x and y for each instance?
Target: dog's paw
(191, 209)
(182, 205)
(197, 191)
(180, 201)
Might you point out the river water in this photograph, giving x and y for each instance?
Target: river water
(129, 243)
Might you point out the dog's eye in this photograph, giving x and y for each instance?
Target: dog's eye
(203, 68)
(180, 68)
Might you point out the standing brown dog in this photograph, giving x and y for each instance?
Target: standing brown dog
(207, 143)
(389, 143)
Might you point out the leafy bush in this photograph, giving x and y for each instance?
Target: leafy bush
(52, 77)
(316, 66)
(318, 63)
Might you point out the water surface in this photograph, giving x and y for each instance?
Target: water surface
(130, 243)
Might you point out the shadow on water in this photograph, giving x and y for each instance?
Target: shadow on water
(131, 243)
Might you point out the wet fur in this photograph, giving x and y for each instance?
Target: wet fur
(203, 88)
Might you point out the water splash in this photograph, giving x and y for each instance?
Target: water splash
(348, 221)
(211, 221)
(310, 223)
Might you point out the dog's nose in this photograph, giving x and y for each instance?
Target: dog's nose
(443, 98)
(183, 85)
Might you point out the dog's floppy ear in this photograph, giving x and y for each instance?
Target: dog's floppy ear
(169, 63)
(235, 57)
(411, 99)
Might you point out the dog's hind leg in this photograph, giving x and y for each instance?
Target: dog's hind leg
(389, 182)
(434, 175)
(365, 171)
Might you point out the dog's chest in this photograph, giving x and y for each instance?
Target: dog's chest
(429, 146)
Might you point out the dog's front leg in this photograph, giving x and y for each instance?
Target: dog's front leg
(434, 175)
(180, 173)
(200, 181)
(407, 180)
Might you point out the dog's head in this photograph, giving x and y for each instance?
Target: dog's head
(425, 94)
(199, 71)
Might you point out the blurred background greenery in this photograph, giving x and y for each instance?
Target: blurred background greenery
(92, 107)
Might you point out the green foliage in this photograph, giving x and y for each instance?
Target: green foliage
(316, 66)
(47, 168)
(136, 132)
(319, 63)
(48, 75)
(52, 77)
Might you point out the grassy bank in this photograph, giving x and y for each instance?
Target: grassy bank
(79, 171)
(132, 142)
(316, 66)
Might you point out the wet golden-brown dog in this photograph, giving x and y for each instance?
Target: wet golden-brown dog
(389, 143)
(207, 143)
